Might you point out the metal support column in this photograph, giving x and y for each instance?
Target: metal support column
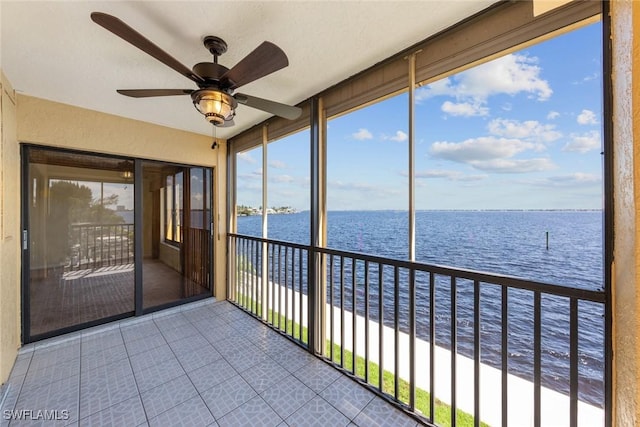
(316, 271)
(264, 275)
(412, 161)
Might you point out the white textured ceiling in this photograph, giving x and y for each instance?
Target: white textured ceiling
(53, 50)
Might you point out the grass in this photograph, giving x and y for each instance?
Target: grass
(422, 397)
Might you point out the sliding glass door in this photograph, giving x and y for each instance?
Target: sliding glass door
(79, 239)
(96, 236)
(176, 211)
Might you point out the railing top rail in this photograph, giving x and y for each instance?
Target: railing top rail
(484, 277)
(277, 242)
(99, 224)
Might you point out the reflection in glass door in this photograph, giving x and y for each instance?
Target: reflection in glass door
(176, 238)
(80, 227)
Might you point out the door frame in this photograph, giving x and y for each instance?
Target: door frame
(25, 249)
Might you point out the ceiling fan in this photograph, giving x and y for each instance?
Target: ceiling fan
(215, 97)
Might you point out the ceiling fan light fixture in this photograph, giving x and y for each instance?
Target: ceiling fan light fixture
(216, 106)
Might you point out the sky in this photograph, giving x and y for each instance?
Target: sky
(523, 131)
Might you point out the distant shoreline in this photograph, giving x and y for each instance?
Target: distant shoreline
(435, 210)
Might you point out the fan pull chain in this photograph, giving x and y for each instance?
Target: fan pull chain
(213, 136)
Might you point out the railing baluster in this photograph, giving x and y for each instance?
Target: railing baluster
(300, 264)
(573, 363)
(279, 285)
(263, 266)
(354, 317)
(248, 278)
(121, 247)
(331, 321)
(505, 355)
(233, 273)
(366, 322)
(342, 311)
(258, 277)
(293, 293)
(396, 330)
(241, 272)
(245, 272)
(286, 290)
(93, 264)
(537, 347)
(476, 353)
(258, 290)
(454, 350)
(432, 348)
(109, 245)
(102, 257)
(381, 327)
(252, 278)
(273, 285)
(412, 339)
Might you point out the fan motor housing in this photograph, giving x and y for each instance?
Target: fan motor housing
(210, 71)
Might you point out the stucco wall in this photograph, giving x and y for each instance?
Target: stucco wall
(626, 271)
(9, 231)
(54, 124)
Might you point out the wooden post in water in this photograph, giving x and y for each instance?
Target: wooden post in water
(547, 240)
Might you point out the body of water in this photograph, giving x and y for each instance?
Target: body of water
(505, 242)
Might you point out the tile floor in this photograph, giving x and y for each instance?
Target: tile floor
(203, 364)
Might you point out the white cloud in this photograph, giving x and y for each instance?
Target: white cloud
(553, 115)
(399, 136)
(246, 157)
(255, 175)
(577, 179)
(437, 88)
(583, 143)
(278, 164)
(513, 165)
(588, 78)
(511, 74)
(362, 134)
(281, 178)
(465, 109)
(529, 129)
(493, 154)
(587, 117)
(450, 175)
(480, 149)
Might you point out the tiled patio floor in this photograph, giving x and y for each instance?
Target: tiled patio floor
(203, 364)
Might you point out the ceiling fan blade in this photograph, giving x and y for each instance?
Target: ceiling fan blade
(146, 93)
(227, 124)
(125, 32)
(282, 110)
(264, 60)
